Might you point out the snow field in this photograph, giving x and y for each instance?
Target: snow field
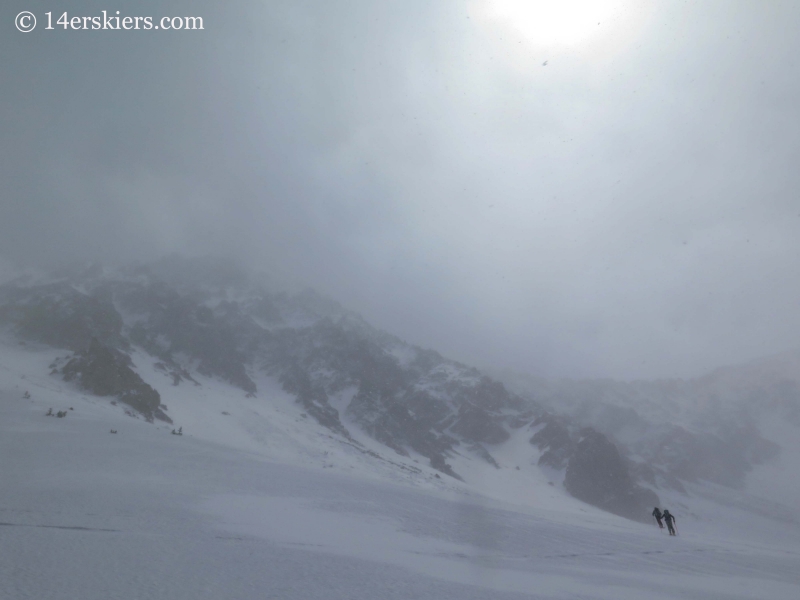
(263, 503)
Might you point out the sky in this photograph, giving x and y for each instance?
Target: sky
(584, 189)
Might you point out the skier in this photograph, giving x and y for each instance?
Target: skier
(670, 520)
(657, 514)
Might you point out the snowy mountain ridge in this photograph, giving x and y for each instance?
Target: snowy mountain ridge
(713, 428)
(190, 329)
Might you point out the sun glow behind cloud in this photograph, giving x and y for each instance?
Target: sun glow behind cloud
(591, 28)
(561, 22)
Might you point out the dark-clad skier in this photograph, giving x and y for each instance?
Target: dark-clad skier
(670, 520)
(657, 514)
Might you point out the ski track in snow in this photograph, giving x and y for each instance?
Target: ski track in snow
(262, 503)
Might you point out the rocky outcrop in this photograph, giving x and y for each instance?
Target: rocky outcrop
(104, 371)
(554, 440)
(314, 400)
(598, 475)
(168, 324)
(59, 315)
(680, 431)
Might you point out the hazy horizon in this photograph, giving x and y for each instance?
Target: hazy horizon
(612, 195)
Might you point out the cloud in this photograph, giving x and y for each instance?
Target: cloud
(627, 210)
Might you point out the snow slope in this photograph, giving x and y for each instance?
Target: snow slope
(264, 503)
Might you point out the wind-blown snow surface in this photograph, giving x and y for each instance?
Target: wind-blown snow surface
(263, 503)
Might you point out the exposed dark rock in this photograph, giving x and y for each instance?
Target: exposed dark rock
(725, 461)
(484, 454)
(61, 316)
(718, 440)
(104, 371)
(175, 324)
(438, 463)
(554, 440)
(475, 423)
(314, 399)
(598, 475)
(524, 418)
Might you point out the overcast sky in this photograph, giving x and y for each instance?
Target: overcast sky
(628, 209)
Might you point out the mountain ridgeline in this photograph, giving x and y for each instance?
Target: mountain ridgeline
(681, 432)
(203, 317)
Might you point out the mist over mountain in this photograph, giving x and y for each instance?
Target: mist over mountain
(707, 428)
(627, 210)
(616, 445)
(399, 299)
